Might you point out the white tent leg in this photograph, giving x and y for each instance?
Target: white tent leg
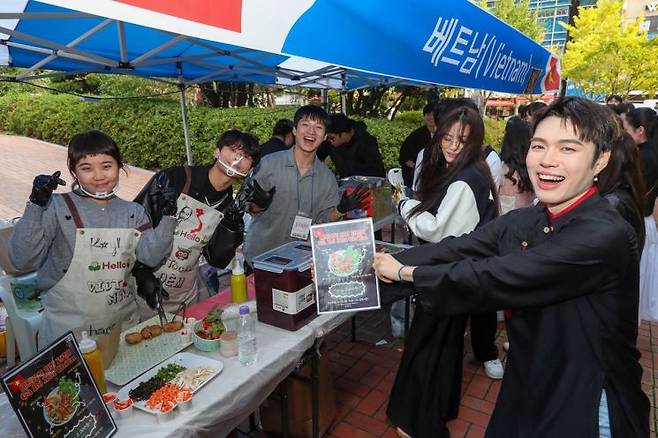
(186, 133)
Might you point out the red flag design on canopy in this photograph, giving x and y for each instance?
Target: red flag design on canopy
(226, 14)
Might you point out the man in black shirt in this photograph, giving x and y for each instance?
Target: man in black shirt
(351, 148)
(209, 222)
(281, 140)
(416, 142)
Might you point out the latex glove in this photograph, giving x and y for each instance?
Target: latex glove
(260, 197)
(43, 187)
(252, 192)
(356, 199)
(169, 201)
(163, 197)
(148, 285)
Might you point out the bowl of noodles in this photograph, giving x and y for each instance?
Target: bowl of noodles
(345, 262)
(62, 402)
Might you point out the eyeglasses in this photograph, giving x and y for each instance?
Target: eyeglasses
(449, 140)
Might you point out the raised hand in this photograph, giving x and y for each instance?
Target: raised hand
(43, 187)
(163, 197)
(356, 199)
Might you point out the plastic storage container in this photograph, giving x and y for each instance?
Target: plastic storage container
(379, 202)
(246, 337)
(285, 294)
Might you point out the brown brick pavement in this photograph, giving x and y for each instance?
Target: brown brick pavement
(363, 372)
(22, 158)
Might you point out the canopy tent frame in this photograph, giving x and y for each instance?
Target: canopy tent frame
(245, 66)
(98, 36)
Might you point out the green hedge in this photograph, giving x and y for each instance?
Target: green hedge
(150, 132)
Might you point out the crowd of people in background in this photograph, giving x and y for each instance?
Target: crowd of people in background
(550, 231)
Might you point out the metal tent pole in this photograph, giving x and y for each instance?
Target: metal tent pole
(343, 94)
(186, 133)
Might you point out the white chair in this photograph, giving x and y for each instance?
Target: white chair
(22, 326)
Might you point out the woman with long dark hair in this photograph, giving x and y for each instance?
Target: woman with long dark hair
(455, 196)
(642, 125)
(516, 189)
(622, 185)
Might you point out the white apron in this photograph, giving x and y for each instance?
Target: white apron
(94, 294)
(196, 224)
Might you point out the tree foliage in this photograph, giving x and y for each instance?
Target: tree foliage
(605, 56)
(517, 13)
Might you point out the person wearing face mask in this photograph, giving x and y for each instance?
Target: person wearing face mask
(209, 221)
(568, 269)
(84, 243)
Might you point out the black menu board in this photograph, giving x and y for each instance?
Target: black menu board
(343, 253)
(54, 395)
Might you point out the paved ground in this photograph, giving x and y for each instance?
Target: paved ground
(363, 372)
(21, 159)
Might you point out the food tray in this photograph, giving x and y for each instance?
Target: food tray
(390, 248)
(187, 360)
(133, 360)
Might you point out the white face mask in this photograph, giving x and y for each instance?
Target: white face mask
(230, 169)
(97, 195)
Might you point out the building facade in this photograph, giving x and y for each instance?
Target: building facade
(647, 9)
(550, 14)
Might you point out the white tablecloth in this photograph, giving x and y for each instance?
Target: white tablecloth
(224, 402)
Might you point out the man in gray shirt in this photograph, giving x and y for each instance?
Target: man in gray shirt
(305, 189)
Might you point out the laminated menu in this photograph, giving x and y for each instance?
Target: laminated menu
(343, 253)
(54, 395)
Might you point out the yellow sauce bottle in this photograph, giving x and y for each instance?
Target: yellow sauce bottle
(238, 279)
(92, 356)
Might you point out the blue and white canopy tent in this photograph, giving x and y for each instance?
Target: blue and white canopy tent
(337, 44)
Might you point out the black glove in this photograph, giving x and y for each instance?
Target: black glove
(260, 197)
(43, 187)
(252, 192)
(356, 199)
(148, 285)
(163, 197)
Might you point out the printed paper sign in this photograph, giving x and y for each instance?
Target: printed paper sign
(54, 395)
(343, 253)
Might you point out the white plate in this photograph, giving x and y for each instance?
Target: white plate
(187, 360)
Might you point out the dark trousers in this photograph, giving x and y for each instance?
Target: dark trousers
(483, 335)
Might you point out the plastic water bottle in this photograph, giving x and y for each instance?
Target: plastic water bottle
(246, 337)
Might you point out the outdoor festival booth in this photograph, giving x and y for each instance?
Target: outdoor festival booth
(324, 44)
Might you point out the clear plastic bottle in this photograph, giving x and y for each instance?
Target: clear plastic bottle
(246, 337)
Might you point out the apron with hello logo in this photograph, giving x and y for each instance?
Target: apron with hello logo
(196, 224)
(94, 294)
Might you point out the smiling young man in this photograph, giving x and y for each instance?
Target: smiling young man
(569, 270)
(207, 221)
(305, 190)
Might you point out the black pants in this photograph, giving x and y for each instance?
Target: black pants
(483, 336)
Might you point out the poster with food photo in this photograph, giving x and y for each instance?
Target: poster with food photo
(343, 253)
(54, 395)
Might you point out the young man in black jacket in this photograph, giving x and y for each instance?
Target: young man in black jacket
(209, 219)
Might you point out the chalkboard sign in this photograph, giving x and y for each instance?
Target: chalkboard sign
(343, 253)
(54, 395)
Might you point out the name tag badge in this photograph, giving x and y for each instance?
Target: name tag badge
(301, 227)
